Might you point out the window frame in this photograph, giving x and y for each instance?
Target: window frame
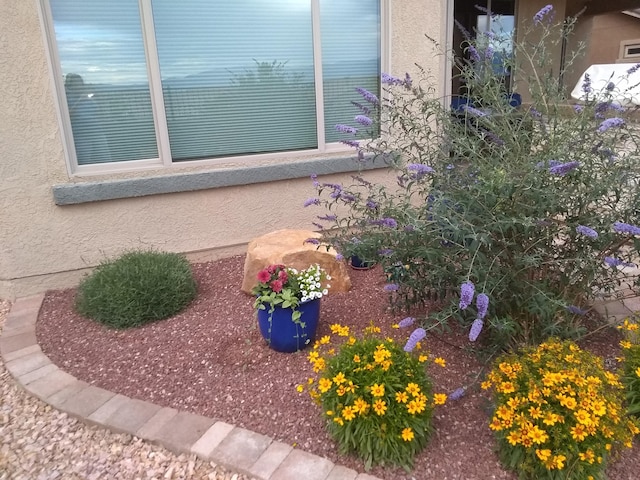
(164, 160)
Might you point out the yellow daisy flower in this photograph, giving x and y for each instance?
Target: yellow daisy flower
(407, 434)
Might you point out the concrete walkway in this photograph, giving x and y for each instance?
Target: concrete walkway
(235, 448)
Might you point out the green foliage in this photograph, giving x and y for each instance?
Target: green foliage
(558, 414)
(377, 398)
(631, 364)
(137, 288)
(536, 205)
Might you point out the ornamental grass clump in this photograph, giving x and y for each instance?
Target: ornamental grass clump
(136, 288)
(558, 413)
(630, 372)
(536, 205)
(377, 399)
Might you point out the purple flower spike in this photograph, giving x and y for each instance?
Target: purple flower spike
(313, 241)
(368, 96)
(363, 120)
(391, 80)
(473, 53)
(406, 322)
(417, 335)
(586, 231)
(586, 84)
(613, 122)
(388, 222)
(576, 310)
(563, 168)
(339, 257)
(351, 143)
(408, 81)
(621, 227)
(616, 262)
(458, 393)
(312, 201)
(476, 328)
(391, 287)
(346, 129)
(633, 69)
(385, 252)
(466, 294)
(542, 13)
(482, 304)
(419, 168)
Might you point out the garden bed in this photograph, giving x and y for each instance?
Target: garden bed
(211, 360)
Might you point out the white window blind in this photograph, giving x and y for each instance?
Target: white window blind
(101, 52)
(237, 78)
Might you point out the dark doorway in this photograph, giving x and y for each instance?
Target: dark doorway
(473, 17)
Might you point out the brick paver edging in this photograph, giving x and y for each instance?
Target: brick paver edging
(233, 447)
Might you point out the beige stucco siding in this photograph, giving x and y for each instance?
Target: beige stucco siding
(44, 245)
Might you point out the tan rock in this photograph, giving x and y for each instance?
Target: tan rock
(288, 247)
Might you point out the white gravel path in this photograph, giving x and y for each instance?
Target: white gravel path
(37, 442)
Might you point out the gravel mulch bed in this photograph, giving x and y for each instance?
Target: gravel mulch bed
(211, 360)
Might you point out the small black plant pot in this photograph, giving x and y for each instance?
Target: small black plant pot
(358, 264)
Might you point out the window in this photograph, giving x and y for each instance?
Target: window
(629, 50)
(146, 82)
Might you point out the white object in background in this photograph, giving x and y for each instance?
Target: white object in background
(626, 87)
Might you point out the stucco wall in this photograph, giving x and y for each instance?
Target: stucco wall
(602, 35)
(43, 245)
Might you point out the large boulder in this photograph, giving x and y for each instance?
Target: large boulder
(289, 247)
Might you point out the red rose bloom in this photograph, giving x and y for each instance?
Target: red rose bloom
(264, 276)
(276, 286)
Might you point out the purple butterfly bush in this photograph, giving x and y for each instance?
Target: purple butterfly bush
(363, 120)
(311, 201)
(621, 227)
(467, 290)
(586, 231)
(419, 168)
(406, 322)
(482, 305)
(351, 143)
(476, 328)
(616, 262)
(346, 129)
(458, 393)
(391, 287)
(563, 168)
(368, 96)
(633, 69)
(613, 122)
(576, 310)
(417, 335)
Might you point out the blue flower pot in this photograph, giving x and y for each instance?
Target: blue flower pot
(358, 264)
(282, 333)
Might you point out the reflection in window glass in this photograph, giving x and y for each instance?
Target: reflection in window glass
(350, 58)
(237, 77)
(101, 53)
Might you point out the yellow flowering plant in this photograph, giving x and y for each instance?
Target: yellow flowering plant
(377, 398)
(630, 372)
(558, 413)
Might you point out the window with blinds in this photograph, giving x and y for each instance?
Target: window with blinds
(200, 79)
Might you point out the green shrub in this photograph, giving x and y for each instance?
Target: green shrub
(558, 414)
(536, 207)
(377, 399)
(137, 288)
(631, 363)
